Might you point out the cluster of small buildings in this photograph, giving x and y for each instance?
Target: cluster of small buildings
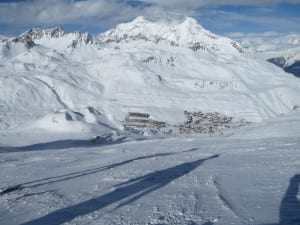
(196, 122)
(206, 123)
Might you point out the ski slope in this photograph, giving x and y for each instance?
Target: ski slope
(250, 176)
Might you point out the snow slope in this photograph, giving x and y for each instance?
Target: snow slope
(158, 66)
(247, 178)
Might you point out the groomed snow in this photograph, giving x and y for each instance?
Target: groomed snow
(235, 179)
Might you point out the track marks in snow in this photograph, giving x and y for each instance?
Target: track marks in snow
(53, 91)
(227, 203)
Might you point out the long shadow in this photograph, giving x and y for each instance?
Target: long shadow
(69, 176)
(57, 145)
(290, 204)
(129, 191)
(289, 212)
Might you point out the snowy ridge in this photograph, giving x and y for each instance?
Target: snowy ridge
(37, 33)
(57, 37)
(70, 72)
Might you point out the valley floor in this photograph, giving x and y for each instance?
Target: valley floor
(246, 178)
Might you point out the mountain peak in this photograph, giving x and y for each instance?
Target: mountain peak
(166, 19)
(170, 30)
(56, 37)
(167, 28)
(38, 33)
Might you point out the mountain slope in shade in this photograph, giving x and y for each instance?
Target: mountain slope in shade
(289, 62)
(157, 66)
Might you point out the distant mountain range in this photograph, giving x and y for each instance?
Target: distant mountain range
(283, 51)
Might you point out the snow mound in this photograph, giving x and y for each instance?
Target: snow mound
(87, 120)
(281, 127)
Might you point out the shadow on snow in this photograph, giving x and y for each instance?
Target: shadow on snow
(290, 204)
(129, 191)
(69, 176)
(58, 145)
(289, 211)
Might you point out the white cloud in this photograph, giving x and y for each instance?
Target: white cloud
(107, 13)
(225, 19)
(71, 11)
(243, 35)
(188, 4)
(62, 11)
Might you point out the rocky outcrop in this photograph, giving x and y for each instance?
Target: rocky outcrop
(38, 33)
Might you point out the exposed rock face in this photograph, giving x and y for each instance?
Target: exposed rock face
(37, 33)
(28, 42)
(293, 68)
(81, 38)
(280, 61)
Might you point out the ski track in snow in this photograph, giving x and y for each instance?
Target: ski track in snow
(223, 197)
(58, 98)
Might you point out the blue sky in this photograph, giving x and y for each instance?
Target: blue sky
(95, 16)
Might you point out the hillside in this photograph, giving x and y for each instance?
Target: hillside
(157, 66)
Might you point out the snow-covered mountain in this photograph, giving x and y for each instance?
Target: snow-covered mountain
(38, 34)
(157, 66)
(283, 51)
(57, 38)
(179, 32)
(290, 63)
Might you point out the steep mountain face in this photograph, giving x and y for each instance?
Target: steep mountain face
(160, 67)
(37, 33)
(290, 64)
(56, 38)
(293, 68)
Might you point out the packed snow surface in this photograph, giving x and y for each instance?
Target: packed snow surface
(248, 176)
